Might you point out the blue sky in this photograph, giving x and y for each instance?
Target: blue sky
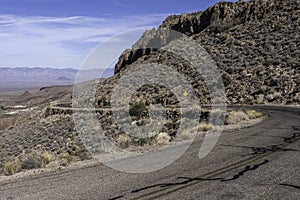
(61, 33)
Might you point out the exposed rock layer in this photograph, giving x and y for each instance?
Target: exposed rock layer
(255, 44)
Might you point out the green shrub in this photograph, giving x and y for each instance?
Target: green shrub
(137, 109)
(226, 79)
(31, 161)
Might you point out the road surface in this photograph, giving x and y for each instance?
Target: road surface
(259, 162)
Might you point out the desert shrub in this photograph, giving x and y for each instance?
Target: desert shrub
(31, 161)
(254, 114)
(163, 138)
(268, 21)
(11, 167)
(137, 109)
(185, 134)
(204, 126)
(123, 140)
(46, 158)
(226, 79)
(143, 141)
(67, 159)
(235, 117)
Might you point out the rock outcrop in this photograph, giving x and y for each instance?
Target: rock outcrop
(255, 44)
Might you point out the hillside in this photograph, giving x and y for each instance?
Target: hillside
(255, 44)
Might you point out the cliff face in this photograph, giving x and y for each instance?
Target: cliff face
(190, 24)
(255, 44)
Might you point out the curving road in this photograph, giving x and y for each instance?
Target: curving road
(259, 162)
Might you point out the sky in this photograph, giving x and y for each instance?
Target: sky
(62, 33)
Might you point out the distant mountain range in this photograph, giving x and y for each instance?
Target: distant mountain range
(12, 79)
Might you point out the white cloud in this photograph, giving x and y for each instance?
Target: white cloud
(59, 41)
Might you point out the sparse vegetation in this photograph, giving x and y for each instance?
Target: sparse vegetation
(252, 114)
(235, 117)
(123, 140)
(46, 158)
(163, 138)
(226, 79)
(238, 116)
(185, 134)
(204, 126)
(137, 109)
(7, 121)
(31, 161)
(67, 159)
(252, 45)
(11, 167)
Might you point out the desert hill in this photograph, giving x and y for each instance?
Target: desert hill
(254, 43)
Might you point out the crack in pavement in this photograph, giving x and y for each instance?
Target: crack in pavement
(162, 185)
(246, 169)
(273, 148)
(290, 185)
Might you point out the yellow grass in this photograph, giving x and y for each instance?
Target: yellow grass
(12, 167)
(203, 126)
(163, 138)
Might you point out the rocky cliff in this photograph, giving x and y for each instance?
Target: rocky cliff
(255, 44)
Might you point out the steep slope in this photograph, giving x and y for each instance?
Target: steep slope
(255, 44)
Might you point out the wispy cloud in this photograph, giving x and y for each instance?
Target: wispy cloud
(60, 41)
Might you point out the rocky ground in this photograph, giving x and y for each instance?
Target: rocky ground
(254, 44)
(51, 141)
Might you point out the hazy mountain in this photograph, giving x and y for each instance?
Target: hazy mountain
(33, 78)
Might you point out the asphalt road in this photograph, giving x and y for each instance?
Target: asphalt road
(259, 162)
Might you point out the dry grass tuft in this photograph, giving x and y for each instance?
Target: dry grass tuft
(46, 158)
(254, 114)
(163, 138)
(235, 117)
(185, 134)
(203, 126)
(123, 140)
(67, 159)
(12, 167)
